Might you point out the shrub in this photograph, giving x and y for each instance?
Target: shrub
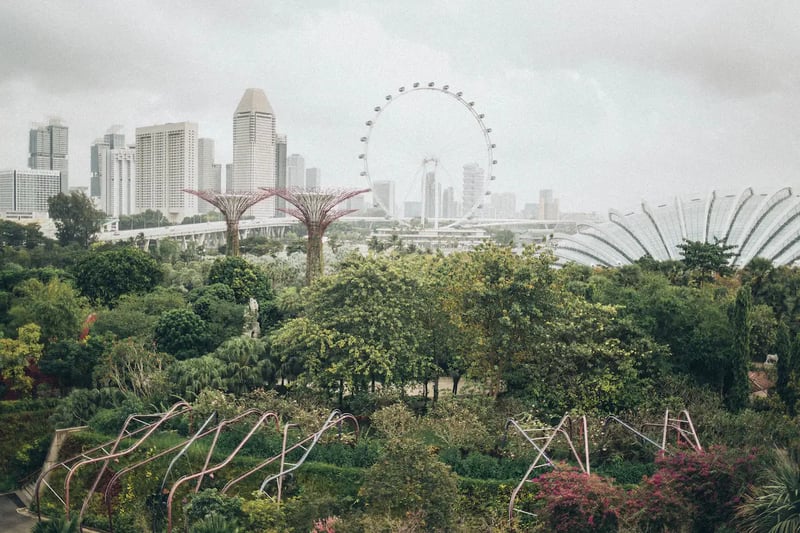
(571, 501)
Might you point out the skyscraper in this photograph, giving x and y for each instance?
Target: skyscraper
(280, 171)
(295, 171)
(206, 175)
(313, 177)
(473, 187)
(118, 185)
(548, 206)
(254, 147)
(48, 149)
(228, 177)
(166, 163)
(383, 195)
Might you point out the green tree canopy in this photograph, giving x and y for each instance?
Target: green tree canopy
(76, 219)
(54, 306)
(16, 355)
(104, 276)
(180, 332)
(703, 259)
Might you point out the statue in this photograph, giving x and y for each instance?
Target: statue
(252, 328)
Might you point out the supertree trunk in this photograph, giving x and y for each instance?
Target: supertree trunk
(232, 239)
(316, 209)
(315, 262)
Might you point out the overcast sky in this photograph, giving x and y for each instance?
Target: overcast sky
(607, 103)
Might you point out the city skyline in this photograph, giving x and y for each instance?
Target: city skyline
(607, 104)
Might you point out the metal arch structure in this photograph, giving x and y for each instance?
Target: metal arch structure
(107, 452)
(335, 419)
(458, 96)
(681, 425)
(211, 469)
(546, 435)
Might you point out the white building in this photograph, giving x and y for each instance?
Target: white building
(313, 177)
(48, 149)
(295, 171)
(383, 196)
(166, 163)
(118, 182)
(254, 148)
(206, 173)
(24, 193)
(473, 188)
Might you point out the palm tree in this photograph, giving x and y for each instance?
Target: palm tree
(57, 525)
(774, 506)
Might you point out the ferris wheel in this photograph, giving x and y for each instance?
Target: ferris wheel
(428, 157)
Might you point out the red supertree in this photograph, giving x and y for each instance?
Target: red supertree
(316, 209)
(232, 205)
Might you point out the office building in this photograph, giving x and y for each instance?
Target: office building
(473, 189)
(27, 191)
(48, 148)
(254, 147)
(313, 178)
(504, 205)
(166, 163)
(295, 171)
(548, 206)
(206, 175)
(280, 172)
(383, 195)
(229, 177)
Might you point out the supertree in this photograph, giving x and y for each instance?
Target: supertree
(232, 205)
(316, 209)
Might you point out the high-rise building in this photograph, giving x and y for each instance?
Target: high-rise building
(280, 172)
(27, 190)
(548, 206)
(313, 177)
(254, 147)
(473, 187)
(504, 205)
(206, 175)
(295, 171)
(99, 165)
(383, 195)
(118, 185)
(356, 203)
(432, 191)
(449, 204)
(229, 177)
(166, 163)
(48, 149)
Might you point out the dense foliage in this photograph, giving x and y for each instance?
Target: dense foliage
(117, 330)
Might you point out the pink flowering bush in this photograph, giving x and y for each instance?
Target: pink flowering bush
(570, 501)
(692, 491)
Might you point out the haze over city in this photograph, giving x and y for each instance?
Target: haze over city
(605, 103)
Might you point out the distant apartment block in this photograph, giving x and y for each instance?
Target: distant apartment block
(166, 163)
(206, 174)
(118, 190)
(473, 188)
(26, 191)
(548, 206)
(383, 195)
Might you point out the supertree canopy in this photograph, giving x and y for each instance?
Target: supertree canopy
(232, 205)
(316, 208)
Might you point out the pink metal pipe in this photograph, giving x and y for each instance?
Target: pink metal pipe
(325, 427)
(90, 451)
(219, 466)
(176, 410)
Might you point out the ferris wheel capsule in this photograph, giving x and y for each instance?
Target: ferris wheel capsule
(416, 84)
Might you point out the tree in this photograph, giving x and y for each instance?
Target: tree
(180, 332)
(501, 302)
(17, 355)
(13, 234)
(55, 306)
(738, 385)
(247, 364)
(786, 385)
(135, 315)
(106, 275)
(76, 219)
(409, 478)
(245, 279)
(134, 368)
(705, 258)
(774, 505)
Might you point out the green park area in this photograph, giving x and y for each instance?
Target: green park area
(480, 385)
